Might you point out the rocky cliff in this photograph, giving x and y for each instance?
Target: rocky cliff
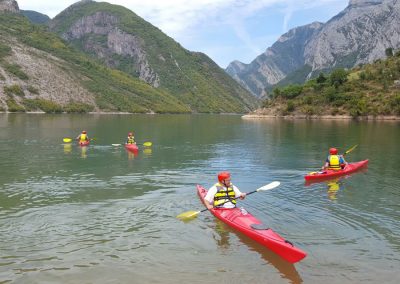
(359, 34)
(9, 6)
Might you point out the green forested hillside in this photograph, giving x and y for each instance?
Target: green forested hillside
(372, 89)
(113, 90)
(191, 77)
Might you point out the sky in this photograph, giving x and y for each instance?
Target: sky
(225, 30)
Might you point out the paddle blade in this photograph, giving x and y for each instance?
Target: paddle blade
(67, 140)
(269, 186)
(351, 149)
(188, 215)
(147, 144)
(116, 144)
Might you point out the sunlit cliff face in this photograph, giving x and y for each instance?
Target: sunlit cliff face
(9, 6)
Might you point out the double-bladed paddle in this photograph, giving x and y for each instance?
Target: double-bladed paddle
(192, 214)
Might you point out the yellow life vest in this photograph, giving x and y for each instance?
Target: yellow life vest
(334, 162)
(83, 137)
(223, 195)
(131, 140)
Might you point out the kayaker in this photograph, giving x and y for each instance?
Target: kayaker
(83, 137)
(334, 161)
(223, 193)
(130, 139)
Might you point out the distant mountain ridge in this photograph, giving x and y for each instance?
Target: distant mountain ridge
(122, 40)
(108, 59)
(359, 34)
(35, 17)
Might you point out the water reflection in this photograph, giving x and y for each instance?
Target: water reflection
(83, 152)
(67, 148)
(132, 154)
(147, 151)
(286, 269)
(334, 185)
(333, 188)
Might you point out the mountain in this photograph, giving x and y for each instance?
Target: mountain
(40, 71)
(118, 38)
(35, 17)
(359, 34)
(368, 91)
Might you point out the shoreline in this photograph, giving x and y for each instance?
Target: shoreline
(323, 117)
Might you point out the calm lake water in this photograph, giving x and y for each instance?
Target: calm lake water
(103, 215)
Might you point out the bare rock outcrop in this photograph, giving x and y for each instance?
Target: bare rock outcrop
(9, 6)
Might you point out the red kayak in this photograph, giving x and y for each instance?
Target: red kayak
(131, 147)
(242, 221)
(326, 174)
(84, 143)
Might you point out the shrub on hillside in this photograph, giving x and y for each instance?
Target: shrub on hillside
(13, 106)
(16, 70)
(76, 107)
(42, 104)
(5, 50)
(13, 90)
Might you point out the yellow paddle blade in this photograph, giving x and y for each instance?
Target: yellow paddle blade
(351, 149)
(147, 144)
(188, 215)
(67, 140)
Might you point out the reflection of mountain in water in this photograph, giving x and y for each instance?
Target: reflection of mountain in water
(287, 270)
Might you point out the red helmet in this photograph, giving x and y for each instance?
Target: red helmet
(130, 134)
(84, 132)
(333, 151)
(223, 175)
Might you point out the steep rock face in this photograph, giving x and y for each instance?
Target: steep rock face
(46, 73)
(9, 6)
(118, 42)
(359, 34)
(283, 57)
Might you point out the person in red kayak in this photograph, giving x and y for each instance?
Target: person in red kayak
(130, 139)
(334, 161)
(223, 193)
(83, 137)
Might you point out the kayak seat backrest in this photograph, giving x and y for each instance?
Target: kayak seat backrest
(259, 227)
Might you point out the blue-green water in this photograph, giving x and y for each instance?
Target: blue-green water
(103, 215)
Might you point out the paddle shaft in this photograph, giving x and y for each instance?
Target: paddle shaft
(251, 192)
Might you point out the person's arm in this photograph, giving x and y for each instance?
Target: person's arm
(326, 165)
(209, 198)
(208, 205)
(238, 193)
(342, 161)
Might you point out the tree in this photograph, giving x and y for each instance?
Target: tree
(389, 52)
(338, 77)
(321, 78)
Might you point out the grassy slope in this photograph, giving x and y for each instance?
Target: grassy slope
(114, 90)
